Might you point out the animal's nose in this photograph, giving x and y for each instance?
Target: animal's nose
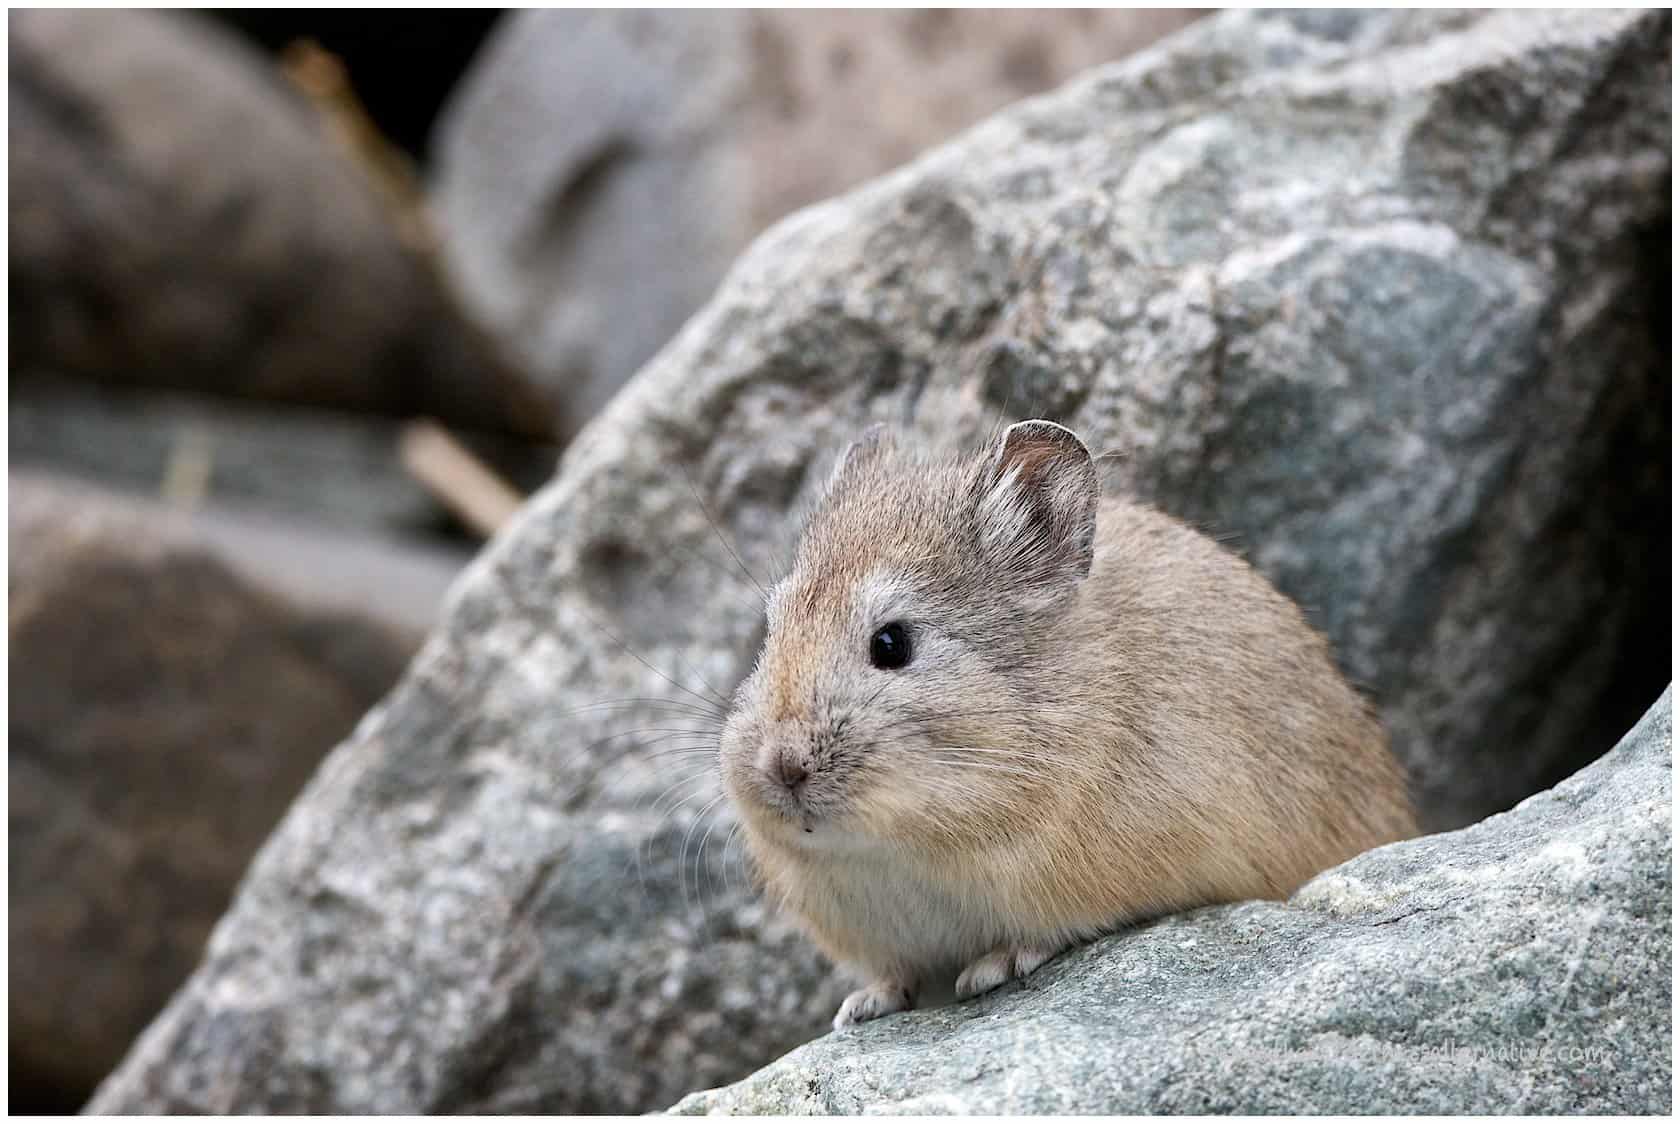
(793, 773)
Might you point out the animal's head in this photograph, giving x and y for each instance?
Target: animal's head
(893, 701)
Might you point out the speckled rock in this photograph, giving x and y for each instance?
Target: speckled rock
(1369, 292)
(1520, 965)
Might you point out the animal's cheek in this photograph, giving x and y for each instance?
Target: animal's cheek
(888, 804)
(895, 759)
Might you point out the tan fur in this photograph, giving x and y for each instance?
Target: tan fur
(1065, 753)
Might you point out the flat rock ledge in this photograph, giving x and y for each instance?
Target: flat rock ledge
(1518, 965)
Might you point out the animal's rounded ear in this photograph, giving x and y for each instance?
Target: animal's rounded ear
(871, 443)
(1037, 509)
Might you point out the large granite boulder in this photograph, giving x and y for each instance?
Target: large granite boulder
(597, 171)
(164, 710)
(178, 215)
(1520, 965)
(1369, 292)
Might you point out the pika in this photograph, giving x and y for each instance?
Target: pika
(997, 714)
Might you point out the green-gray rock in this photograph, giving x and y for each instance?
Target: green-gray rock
(1520, 965)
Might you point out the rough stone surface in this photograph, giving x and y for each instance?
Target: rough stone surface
(1520, 965)
(1363, 290)
(163, 712)
(599, 170)
(178, 215)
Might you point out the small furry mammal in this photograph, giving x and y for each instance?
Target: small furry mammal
(997, 714)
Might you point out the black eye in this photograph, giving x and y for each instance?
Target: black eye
(889, 648)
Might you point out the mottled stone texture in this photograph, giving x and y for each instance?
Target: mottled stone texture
(1366, 293)
(1520, 965)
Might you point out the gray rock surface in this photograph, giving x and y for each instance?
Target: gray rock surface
(164, 710)
(599, 170)
(179, 215)
(1365, 291)
(1520, 965)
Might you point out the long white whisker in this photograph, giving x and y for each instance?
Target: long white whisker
(682, 852)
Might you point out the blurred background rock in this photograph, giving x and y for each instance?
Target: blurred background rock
(164, 709)
(302, 303)
(595, 173)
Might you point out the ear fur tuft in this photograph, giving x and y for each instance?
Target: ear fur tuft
(1037, 510)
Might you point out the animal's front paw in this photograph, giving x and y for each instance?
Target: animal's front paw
(882, 997)
(1001, 965)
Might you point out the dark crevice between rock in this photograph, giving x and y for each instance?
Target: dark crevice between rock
(403, 65)
(1640, 462)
